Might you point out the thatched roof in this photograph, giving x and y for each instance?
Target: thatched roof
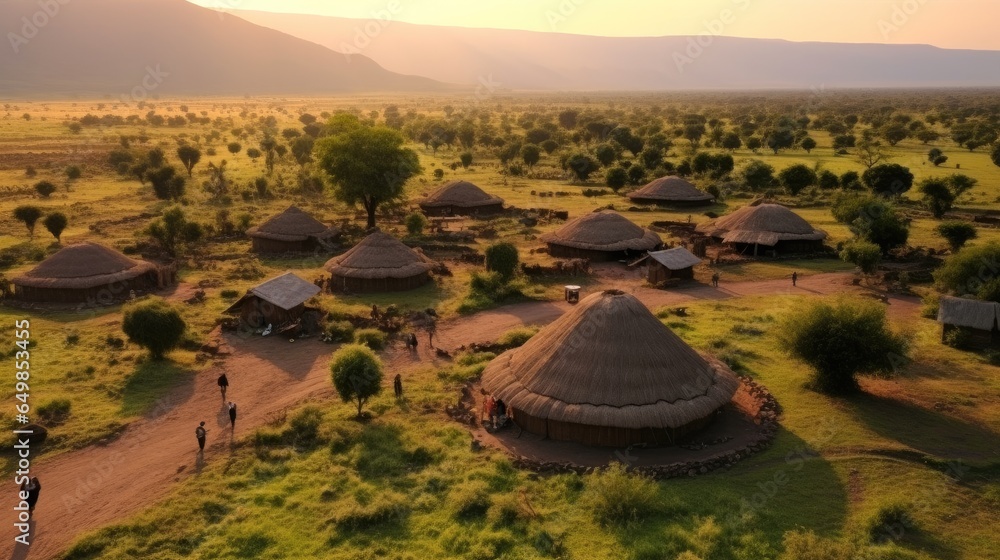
(762, 224)
(379, 255)
(603, 230)
(670, 189)
(610, 362)
(292, 225)
(961, 312)
(462, 194)
(677, 258)
(83, 266)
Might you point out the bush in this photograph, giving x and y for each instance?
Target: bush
(340, 331)
(54, 412)
(493, 287)
(357, 374)
(963, 273)
(863, 254)
(617, 497)
(957, 233)
(155, 325)
(931, 303)
(45, 188)
(889, 523)
(229, 294)
(958, 338)
(73, 172)
(372, 338)
(842, 340)
(415, 223)
(503, 259)
(516, 338)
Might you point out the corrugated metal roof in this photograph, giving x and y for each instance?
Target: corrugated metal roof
(286, 291)
(677, 258)
(962, 312)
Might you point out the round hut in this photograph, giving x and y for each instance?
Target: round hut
(609, 373)
(771, 226)
(379, 263)
(292, 231)
(461, 198)
(89, 272)
(671, 191)
(602, 235)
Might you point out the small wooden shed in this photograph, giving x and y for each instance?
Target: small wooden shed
(276, 302)
(676, 263)
(979, 319)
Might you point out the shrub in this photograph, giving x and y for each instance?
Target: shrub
(515, 338)
(616, 496)
(842, 340)
(340, 331)
(155, 325)
(372, 338)
(45, 188)
(957, 233)
(889, 523)
(503, 259)
(958, 338)
(229, 294)
(357, 374)
(863, 254)
(963, 273)
(415, 223)
(73, 172)
(54, 412)
(929, 309)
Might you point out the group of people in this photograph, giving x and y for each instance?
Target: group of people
(201, 432)
(494, 411)
(324, 283)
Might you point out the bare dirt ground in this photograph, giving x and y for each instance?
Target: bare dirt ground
(86, 489)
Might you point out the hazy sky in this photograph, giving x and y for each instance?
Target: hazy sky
(945, 23)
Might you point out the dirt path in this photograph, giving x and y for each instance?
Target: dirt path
(92, 487)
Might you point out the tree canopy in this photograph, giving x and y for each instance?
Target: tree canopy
(888, 179)
(155, 325)
(357, 374)
(970, 271)
(367, 166)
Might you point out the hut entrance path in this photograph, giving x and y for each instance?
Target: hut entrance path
(102, 484)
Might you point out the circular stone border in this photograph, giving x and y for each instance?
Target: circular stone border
(765, 418)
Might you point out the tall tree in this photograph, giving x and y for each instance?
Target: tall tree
(55, 223)
(356, 373)
(888, 179)
(28, 215)
(367, 165)
(189, 156)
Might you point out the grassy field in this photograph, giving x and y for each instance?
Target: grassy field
(406, 484)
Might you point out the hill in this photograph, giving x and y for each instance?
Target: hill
(556, 61)
(140, 48)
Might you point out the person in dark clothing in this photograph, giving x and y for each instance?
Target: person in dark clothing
(33, 488)
(200, 432)
(223, 385)
(795, 278)
(397, 386)
(232, 414)
(375, 313)
(411, 341)
(715, 279)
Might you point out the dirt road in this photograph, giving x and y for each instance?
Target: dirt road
(86, 489)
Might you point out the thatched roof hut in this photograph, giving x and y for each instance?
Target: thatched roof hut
(609, 373)
(980, 320)
(89, 272)
(278, 301)
(603, 235)
(292, 231)
(671, 191)
(379, 263)
(461, 198)
(768, 225)
(678, 263)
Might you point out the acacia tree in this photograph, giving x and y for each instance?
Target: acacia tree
(189, 156)
(842, 340)
(367, 165)
(797, 177)
(357, 374)
(55, 223)
(957, 233)
(28, 215)
(937, 196)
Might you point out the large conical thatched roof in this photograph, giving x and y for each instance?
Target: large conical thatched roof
(83, 266)
(670, 189)
(763, 224)
(603, 230)
(293, 224)
(379, 255)
(610, 362)
(462, 194)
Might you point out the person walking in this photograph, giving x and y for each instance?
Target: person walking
(715, 280)
(200, 433)
(397, 386)
(33, 488)
(232, 414)
(223, 385)
(431, 329)
(795, 278)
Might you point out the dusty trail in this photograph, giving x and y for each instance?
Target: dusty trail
(86, 489)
